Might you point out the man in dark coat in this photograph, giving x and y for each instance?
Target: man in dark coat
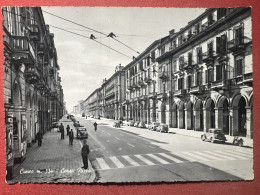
(84, 153)
(39, 138)
(62, 131)
(95, 126)
(68, 129)
(71, 136)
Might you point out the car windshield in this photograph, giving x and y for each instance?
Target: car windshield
(217, 131)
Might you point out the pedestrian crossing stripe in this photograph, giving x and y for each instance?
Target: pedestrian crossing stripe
(117, 162)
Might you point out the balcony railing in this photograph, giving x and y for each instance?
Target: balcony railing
(180, 93)
(34, 32)
(147, 79)
(32, 75)
(208, 56)
(197, 89)
(238, 45)
(221, 84)
(141, 83)
(248, 79)
(152, 95)
(23, 50)
(162, 75)
(110, 95)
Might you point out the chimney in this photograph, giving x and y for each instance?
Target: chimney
(172, 32)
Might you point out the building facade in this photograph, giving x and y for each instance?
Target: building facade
(141, 86)
(208, 68)
(195, 79)
(33, 93)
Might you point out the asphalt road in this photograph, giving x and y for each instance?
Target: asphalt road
(131, 154)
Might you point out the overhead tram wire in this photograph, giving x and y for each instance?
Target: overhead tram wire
(90, 29)
(93, 40)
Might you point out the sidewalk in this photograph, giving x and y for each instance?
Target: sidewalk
(191, 133)
(55, 161)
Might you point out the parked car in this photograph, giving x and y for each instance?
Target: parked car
(153, 126)
(55, 125)
(136, 124)
(82, 133)
(92, 116)
(141, 125)
(83, 115)
(76, 124)
(163, 128)
(214, 135)
(116, 124)
(130, 123)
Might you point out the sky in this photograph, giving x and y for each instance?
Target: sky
(84, 63)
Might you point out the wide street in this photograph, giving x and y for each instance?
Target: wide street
(129, 154)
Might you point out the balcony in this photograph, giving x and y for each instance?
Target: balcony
(162, 75)
(208, 57)
(152, 95)
(221, 84)
(162, 96)
(238, 45)
(129, 87)
(248, 79)
(53, 94)
(23, 51)
(110, 95)
(34, 32)
(143, 97)
(141, 83)
(147, 80)
(199, 89)
(180, 93)
(41, 85)
(31, 75)
(8, 41)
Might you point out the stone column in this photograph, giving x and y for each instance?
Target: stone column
(234, 121)
(187, 121)
(206, 119)
(249, 128)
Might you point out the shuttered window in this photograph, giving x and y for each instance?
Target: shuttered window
(219, 72)
(239, 67)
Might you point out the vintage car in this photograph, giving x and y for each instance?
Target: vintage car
(213, 135)
(116, 124)
(130, 123)
(153, 126)
(162, 128)
(141, 125)
(76, 124)
(82, 133)
(55, 125)
(136, 123)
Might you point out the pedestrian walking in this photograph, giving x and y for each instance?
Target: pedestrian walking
(84, 154)
(61, 131)
(39, 138)
(68, 129)
(71, 137)
(95, 126)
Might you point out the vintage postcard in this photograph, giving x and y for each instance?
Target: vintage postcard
(121, 94)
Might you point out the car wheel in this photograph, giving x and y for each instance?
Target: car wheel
(203, 138)
(240, 144)
(211, 140)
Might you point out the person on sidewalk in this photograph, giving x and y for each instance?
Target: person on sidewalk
(84, 154)
(68, 129)
(61, 131)
(71, 137)
(39, 138)
(95, 126)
